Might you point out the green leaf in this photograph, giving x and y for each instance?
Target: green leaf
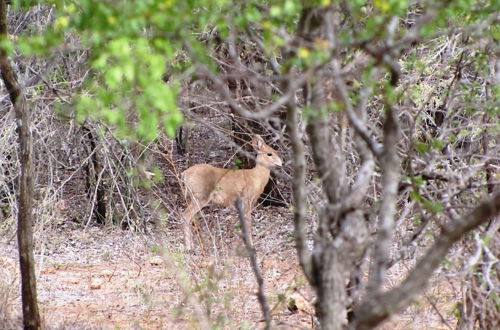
(147, 126)
(421, 147)
(432, 206)
(417, 180)
(7, 46)
(113, 77)
(437, 144)
(112, 116)
(415, 196)
(275, 11)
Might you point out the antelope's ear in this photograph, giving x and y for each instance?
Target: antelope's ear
(258, 142)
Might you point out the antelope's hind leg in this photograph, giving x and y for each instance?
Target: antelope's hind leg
(247, 212)
(187, 218)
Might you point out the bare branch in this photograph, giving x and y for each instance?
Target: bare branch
(390, 180)
(31, 314)
(329, 162)
(358, 190)
(299, 189)
(360, 186)
(376, 309)
(255, 266)
(354, 120)
(223, 90)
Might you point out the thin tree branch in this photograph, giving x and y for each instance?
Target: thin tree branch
(390, 180)
(299, 190)
(268, 111)
(354, 120)
(255, 266)
(31, 314)
(358, 190)
(379, 307)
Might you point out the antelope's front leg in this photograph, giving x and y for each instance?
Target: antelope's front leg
(248, 218)
(188, 234)
(187, 218)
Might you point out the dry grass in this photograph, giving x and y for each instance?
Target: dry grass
(109, 279)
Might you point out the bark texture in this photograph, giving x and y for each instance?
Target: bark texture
(375, 310)
(31, 315)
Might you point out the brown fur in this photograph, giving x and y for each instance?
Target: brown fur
(205, 184)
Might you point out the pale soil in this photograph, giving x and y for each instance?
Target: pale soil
(98, 278)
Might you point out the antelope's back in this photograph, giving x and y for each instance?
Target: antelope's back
(201, 179)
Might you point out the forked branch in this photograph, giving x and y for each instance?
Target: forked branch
(377, 308)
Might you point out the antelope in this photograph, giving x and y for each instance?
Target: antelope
(206, 184)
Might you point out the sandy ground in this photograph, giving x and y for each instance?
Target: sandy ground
(97, 278)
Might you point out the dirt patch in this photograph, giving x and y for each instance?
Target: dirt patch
(106, 279)
(112, 279)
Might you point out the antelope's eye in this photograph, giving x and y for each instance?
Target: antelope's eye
(269, 154)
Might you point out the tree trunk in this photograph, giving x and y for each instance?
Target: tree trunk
(95, 178)
(31, 315)
(331, 307)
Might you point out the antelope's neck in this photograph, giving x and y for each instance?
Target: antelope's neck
(261, 168)
(262, 173)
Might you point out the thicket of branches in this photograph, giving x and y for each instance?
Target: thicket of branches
(386, 117)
